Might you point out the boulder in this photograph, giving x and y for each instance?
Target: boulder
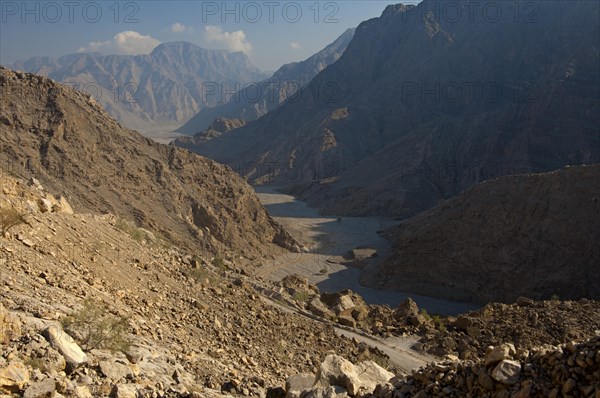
(496, 354)
(65, 344)
(114, 370)
(295, 385)
(124, 391)
(41, 389)
(62, 206)
(364, 377)
(45, 205)
(13, 377)
(406, 309)
(317, 307)
(507, 372)
(346, 320)
(82, 392)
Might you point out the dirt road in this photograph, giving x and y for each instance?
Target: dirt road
(398, 349)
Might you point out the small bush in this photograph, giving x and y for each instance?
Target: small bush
(95, 327)
(438, 323)
(134, 232)
(219, 263)
(554, 297)
(301, 296)
(9, 218)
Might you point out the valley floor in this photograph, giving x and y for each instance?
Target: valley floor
(328, 241)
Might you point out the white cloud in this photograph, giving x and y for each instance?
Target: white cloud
(295, 45)
(234, 41)
(125, 43)
(178, 27)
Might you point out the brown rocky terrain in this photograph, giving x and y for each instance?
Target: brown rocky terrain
(525, 324)
(423, 105)
(194, 328)
(528, 235)
(566, 370)
(66, 141)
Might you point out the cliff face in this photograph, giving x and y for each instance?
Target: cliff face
(258, 99)
(422, 105)
(531, 235)
(65, 140)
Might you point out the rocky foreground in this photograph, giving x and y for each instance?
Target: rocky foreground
(91, 305)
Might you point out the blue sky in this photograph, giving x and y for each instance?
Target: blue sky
(270, 32)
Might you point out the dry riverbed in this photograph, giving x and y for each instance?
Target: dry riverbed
(328, 241)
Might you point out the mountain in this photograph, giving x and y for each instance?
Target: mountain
(168, 86)
(67, 141)
(422, 106)
(528, 235)
(255, 100)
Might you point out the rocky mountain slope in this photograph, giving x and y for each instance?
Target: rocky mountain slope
(67, 141)
(170, 85)
(422, 105)
(191, 327)
(194, 327)
(258, 98)
(527, 235)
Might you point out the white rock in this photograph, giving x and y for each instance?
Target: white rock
(496, 354)
(65, 344)
(507, 372)
(114, 370)
(125, 391)
(364, 377)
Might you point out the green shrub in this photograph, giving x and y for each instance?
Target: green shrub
(301, 296)
(554, 297)
(95, 327)
(219, 263)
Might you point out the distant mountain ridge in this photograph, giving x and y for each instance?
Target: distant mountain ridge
(169, 85)
(426, 107)
(258, 99)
